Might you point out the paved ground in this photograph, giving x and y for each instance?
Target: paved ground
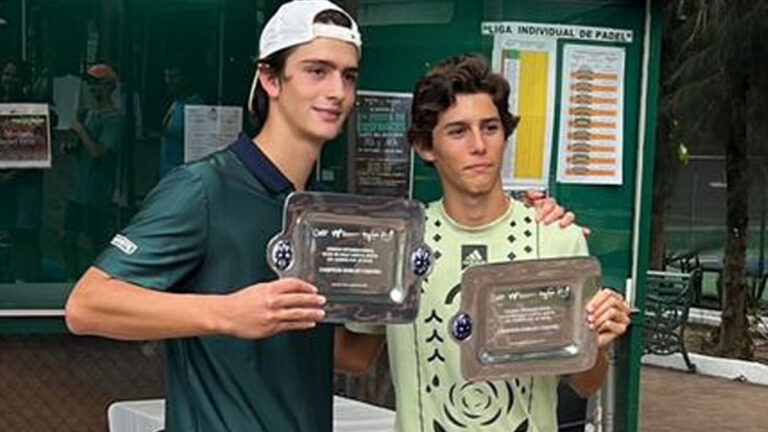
(674, 401)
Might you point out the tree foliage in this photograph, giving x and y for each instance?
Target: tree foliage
(714, 87)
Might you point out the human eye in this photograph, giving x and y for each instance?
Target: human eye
(351, 77)
(456, 131)
(316, 71)
(492, 127)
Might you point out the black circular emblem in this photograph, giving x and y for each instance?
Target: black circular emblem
(461, 326)
(282, 255)
(421, 261)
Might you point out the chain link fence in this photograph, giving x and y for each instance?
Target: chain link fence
(64, 383)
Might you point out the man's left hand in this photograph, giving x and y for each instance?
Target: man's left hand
(608, 316)
(548, 211)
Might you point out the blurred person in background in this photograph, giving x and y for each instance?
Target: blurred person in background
(180, 85)
(99, 134)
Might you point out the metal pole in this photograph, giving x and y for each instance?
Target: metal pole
(222, 22)
(761, 263)
(24, 30)
(608, 394)
(641, 121)
(694, 198)
(609, 399)
(125, 26)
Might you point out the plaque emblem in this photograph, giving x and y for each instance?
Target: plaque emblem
(421, 261)
(461, 327)
(282, 255)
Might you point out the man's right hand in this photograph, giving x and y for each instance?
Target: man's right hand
(265, 309)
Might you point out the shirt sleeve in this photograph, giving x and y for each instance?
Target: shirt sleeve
(580, 247)
(165, 242)
(557, 242)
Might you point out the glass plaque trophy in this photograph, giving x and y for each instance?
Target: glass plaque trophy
(526, 318)
(365, 254)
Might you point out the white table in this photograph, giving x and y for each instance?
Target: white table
(348, 416)
(354, 416)
(137, 416)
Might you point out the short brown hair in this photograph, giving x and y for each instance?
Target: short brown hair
(437, 90)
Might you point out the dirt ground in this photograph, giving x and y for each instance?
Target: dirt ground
(676, 401)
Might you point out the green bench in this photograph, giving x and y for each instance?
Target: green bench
(667, 303)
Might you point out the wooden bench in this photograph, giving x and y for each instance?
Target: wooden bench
(668, 300)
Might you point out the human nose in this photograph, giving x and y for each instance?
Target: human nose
(478, 144)
(335, 86)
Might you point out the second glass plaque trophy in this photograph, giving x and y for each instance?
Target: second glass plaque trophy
(526, 318)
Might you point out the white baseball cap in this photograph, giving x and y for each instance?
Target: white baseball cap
(293, 24)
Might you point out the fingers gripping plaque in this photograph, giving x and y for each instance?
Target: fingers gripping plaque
(365, 254)
(526, 318)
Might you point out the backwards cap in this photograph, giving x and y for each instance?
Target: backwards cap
(293, 24)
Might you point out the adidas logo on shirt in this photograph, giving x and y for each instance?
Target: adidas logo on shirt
(473, 255)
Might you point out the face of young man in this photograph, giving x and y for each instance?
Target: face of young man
(468, 147)
(99, 91)
(317, 89)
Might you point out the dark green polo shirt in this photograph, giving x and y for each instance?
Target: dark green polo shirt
(204, 229)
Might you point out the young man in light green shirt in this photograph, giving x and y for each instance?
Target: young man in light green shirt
(460, 123)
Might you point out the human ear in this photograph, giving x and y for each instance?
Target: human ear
(269, 82)
(426, 152)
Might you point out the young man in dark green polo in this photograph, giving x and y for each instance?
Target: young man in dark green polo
(191, 265)
(191, 268)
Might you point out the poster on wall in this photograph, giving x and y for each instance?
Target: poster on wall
(209, 128)
(25, 136)
(591, 138)
(67, 94)
(529, 67)
(526, 54)
(381, 160)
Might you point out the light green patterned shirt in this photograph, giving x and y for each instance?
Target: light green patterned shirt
(431, 394)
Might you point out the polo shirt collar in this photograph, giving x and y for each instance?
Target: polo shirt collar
(259, 165)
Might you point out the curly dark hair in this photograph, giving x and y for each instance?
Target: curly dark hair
(436, 92)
